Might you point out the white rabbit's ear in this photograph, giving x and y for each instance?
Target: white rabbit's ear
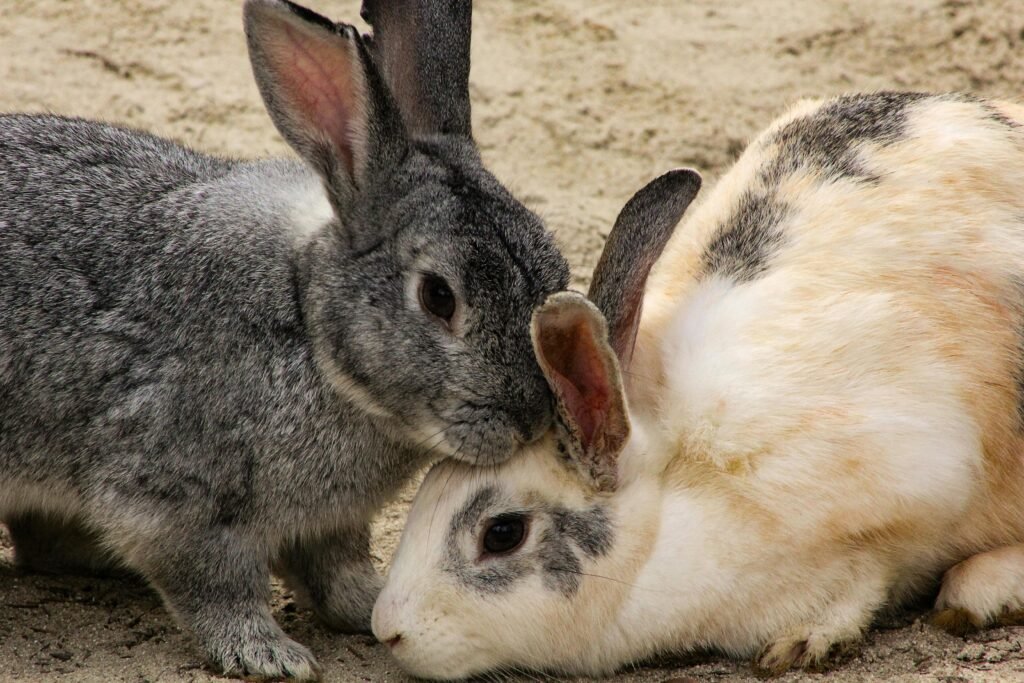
(570, 339)
(325, 96)
(641, 232)
(422, 48)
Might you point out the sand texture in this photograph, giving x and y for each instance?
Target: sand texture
(576, 104)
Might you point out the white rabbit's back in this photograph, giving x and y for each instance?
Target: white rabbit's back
(836, 330)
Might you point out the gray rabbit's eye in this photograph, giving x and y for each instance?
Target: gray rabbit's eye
(436, 297)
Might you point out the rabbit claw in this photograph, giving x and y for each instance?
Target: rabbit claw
(814, 651)
(271, 658)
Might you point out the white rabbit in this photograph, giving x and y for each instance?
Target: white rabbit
(826, 409)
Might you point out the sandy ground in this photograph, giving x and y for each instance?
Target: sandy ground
(576, 104)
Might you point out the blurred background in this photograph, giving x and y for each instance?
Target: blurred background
(577, 103)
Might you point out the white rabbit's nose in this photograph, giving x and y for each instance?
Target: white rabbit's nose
(384, 621)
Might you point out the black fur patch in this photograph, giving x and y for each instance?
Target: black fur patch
(742, 246)
(999, 117)
(471, 512)
(991, 112)
(565, 535)
(829, 138)
(561, 567)
(826, 141)
(590, 529)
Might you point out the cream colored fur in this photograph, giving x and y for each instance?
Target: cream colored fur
(808, 447)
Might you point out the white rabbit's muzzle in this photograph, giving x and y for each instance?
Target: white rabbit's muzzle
(493, 567)
(426, 646)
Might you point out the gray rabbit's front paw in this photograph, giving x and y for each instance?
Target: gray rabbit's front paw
(333, 575)
(266, 653)
(219, 586)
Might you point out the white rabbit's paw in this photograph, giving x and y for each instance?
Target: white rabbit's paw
(804, 648)
(983, 590)
(270, 659)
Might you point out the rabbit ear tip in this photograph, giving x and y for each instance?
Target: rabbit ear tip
(685, 176)
(264, 5)
(692, 173)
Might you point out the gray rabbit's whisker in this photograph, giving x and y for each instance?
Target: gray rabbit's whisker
(532, 675)
(441, 438)
(439, 433)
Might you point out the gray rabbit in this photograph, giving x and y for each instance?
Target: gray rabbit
(213, 368)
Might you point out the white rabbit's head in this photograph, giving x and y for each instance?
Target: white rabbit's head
(493, 569)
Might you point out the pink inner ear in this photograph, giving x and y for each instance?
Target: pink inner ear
(318, 77)
(579, 377)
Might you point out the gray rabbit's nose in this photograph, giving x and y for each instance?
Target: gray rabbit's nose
(531, 433)
(531, 419)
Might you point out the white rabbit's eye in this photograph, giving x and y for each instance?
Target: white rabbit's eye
(436, 297)
(504, 534)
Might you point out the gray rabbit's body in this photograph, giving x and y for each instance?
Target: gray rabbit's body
(154, 349)
(212, 368)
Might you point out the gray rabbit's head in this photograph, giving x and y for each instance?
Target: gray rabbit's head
(419, 292)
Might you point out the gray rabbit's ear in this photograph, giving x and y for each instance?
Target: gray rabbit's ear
(325, 96)
(570, 340)
(641, 232)
(422, 47)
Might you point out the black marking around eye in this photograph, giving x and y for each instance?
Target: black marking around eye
(566, 536)
(590, 529)
(495, 577)
(472, 511)
(561, 566)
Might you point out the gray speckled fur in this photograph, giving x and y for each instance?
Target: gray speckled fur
(171, 343)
